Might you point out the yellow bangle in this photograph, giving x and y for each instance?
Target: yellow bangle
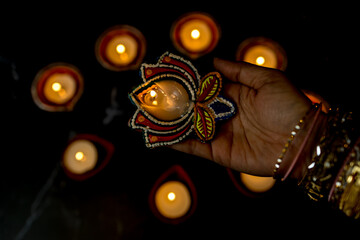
(345, 193)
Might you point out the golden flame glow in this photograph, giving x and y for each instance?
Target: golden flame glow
(56, 87)
(120, 48)
(173, 199)
(260, 60)
(152, 93)
(195, 34)
(165, 100)
(80, 156)
(171, 196)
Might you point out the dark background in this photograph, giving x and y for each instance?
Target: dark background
(38, 201)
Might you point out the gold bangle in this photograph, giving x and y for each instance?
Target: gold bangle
(345, 193)
(329, 155)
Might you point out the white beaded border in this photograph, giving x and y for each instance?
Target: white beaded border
(223, 115)
(158, 144)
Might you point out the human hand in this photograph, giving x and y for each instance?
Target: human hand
(268, 107)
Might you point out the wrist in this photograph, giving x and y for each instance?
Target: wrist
(300, 149)
(306, 145)
(325, 159)
(330, 154)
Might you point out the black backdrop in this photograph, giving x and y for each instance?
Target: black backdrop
(38, 201)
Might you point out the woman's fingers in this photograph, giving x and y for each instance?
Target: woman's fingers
(242, 72)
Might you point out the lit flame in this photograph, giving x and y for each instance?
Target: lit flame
(171, 196)
(195, 34)
(260, 60)
(120, 48)
(152, 93)
(80, 156)
(56, 87)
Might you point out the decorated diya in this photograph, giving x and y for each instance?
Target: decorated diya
(174, 101)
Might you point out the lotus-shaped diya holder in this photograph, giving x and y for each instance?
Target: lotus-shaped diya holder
(174, 101)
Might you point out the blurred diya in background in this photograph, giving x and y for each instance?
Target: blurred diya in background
(85, 156)
(195, 34)
(262, 52)
(120, 48)
(173, 197)
(316, 98)
(174, 101)
(250, 185)
(57, 87)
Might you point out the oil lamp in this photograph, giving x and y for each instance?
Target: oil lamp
(173, 198)
(195, 34)
(250, 185)
(120, 48)
(166, 100)
(85, 156)
(257, 184)
(174, 101)
(262, 52)
(80, 156)
(57, 87)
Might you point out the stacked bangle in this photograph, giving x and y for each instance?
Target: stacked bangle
(334, 172)
(345, 192)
